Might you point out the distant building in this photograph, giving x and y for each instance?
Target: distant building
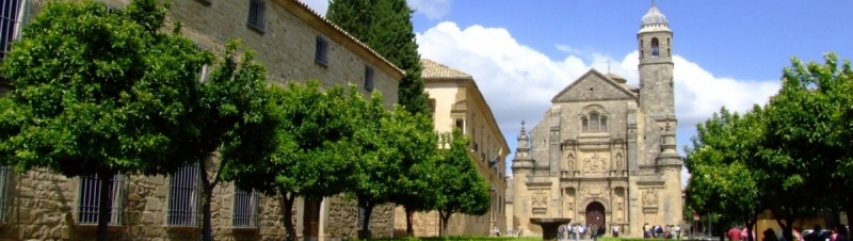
(296, 44)
(457, 102)
(604, 153)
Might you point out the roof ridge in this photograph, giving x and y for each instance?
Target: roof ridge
(434, 69)
(347, 34)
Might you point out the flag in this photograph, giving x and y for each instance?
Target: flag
(497, 158)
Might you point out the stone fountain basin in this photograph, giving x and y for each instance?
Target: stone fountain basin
(550, 226)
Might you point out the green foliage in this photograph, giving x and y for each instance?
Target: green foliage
(416, 144)
(313, 152)
(100, 92)
(462, 189)
(386, 26)
(465, 238)
(97, 91)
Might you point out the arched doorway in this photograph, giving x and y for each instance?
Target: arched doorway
(595, 214)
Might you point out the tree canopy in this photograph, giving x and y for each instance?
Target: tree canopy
(386, 26)
(461, 188)
(100, 92)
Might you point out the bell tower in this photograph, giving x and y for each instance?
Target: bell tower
(657, 97)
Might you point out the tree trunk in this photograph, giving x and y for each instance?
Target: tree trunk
(445, 218)
(787, 231)
(750, 225)
(848, 211)
(410, 220)
(288, 215)
(104, 204)
(206, 193)
(365, 226)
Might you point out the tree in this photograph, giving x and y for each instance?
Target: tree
(234, 119)
(100, 92)
(461, 188)
(386, 26)
(312, 157)
(721, 180)
(798, 121)
(416, 147)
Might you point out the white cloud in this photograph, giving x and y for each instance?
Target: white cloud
(432, 9)
(518, 82)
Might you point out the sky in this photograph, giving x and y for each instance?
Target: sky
(726, 52)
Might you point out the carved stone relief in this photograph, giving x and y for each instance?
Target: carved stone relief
(569, 203)
(595, 164)
(650, 198)
(540, 203)
(570, 161)
(619, 161)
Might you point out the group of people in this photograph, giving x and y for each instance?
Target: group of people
(839, 233)
(661, 232)
(582, 231)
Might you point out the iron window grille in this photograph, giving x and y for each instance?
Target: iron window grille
(5, 182)
(184, 193)
(204, 73)
(13, 16)
(245, 208)
(321, 52)
(88, 205)
(257, 8)
(368, 78)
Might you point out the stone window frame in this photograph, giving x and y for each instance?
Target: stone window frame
(655, 47)
(12, 20)
(257, 15)
(245, 206)
(88, 206)
(184, 184)
(601, 122)
(321, 51)
(5, 183)
(368, 77)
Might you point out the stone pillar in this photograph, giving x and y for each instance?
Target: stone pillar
(554, 141)
(633, 164)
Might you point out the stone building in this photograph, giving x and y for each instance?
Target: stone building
(457, 102)
(605, 152)
(296, 44)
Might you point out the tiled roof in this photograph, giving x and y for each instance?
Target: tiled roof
(434, 70)
(345, 33)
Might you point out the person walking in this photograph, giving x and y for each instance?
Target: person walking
(615, 231)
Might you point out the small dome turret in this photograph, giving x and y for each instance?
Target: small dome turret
(654, 20)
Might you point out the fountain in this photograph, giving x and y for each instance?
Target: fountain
(550, 226)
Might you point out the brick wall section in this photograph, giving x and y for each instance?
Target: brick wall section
(42, 204)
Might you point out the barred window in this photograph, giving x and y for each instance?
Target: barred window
(5, 182)
(256, 14)
(321, 51)
(245, 208)
(204, 73)
(368, 78)
(89, 199)
(10, 23)
(184, 192)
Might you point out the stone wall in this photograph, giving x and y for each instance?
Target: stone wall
(342, 222)
(43, 206)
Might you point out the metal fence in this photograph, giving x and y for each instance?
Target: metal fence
(5, 179)
(9, 24)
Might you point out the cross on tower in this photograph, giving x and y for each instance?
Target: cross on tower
(608, 65)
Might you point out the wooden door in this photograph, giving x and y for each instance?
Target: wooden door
(595, 214)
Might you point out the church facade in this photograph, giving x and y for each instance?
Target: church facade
(604, 154)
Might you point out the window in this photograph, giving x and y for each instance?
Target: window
(432, 109)
(10, 23)
(655, 48)
(321, 55)
(368, 78)
(256, 14)
(460, 124)
(184, 193)
(204, 73)
(89, 199)
(5, 176)
(245, 208)
(593, 123)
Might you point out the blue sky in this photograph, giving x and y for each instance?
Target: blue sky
(727, 52)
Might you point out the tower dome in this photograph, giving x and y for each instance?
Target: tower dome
(654, 20)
